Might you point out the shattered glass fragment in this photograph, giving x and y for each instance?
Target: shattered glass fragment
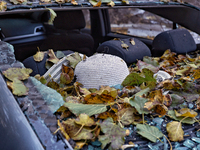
(188, 143)
(195, 139)
(53, 99)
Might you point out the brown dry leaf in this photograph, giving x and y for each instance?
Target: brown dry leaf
(106, 115)
(107, 90)
(93, 99)
(196, 74)
(52, 84)
(80, 144)
(62, 129)
(39, 56)
(52, 57)
(156, 101)
(3, 6)
(67, 75)
(175, 131)
(74, 132)
(186, 112)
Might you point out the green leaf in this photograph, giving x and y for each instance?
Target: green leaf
(18, 87)
(136, 79)
(143, 92)
(125, 116)
(141, 65)
(150, 132)
(114, 134)
(19, 73)
(176, 100)
(88, 109)
(60, 54)
(188, 120)
(138, 103)
(151, 60)
(74, 59)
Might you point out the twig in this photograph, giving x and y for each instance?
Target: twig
(168, 142)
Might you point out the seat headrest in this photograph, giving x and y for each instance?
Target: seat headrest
(179, 41)
(69, 20)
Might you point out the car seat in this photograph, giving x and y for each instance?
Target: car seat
(179, 41)
(65, 33)
(130, 55)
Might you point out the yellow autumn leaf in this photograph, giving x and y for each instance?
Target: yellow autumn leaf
(186, 112)
(39, 56)
(175, 131)
(62, 129)
(3, 6)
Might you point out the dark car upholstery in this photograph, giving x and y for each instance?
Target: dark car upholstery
(65, 34)
(179, 41)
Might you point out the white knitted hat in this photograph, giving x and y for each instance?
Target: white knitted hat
(101, 69)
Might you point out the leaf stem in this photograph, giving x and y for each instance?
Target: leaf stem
(168, 142)
(183, 119)
(79, 130)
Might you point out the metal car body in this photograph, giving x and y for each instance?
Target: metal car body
(21, 126)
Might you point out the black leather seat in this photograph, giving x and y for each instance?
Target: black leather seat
(179, 41)
(65, 34)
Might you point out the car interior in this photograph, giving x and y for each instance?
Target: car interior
(29, 31)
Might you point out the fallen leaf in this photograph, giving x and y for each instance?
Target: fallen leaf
(52, 84)
(60, 54)
(88, 109)
(124, 45)
(185, 112)
(171, 114)
(19, 73)
(53, 15)
(138, 103)
(52, 57)
(95, 3)
(113, 134)
(84, 120)
(80, 145)
(74, 59)
(62, 129)
(18, 87)
(72, 129)
(3, 6)
(18, 1)
(112, 4)
(67, 75)
(141, 65)
(106, 115)
(132, 41)
(125, 116)
(39, 56)
(150, 132)
(74, 2)
(175, 131)
(151, 60)
(196, 74)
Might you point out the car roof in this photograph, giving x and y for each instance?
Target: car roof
(184, 14)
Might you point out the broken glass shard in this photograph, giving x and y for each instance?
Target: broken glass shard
(53, 99)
